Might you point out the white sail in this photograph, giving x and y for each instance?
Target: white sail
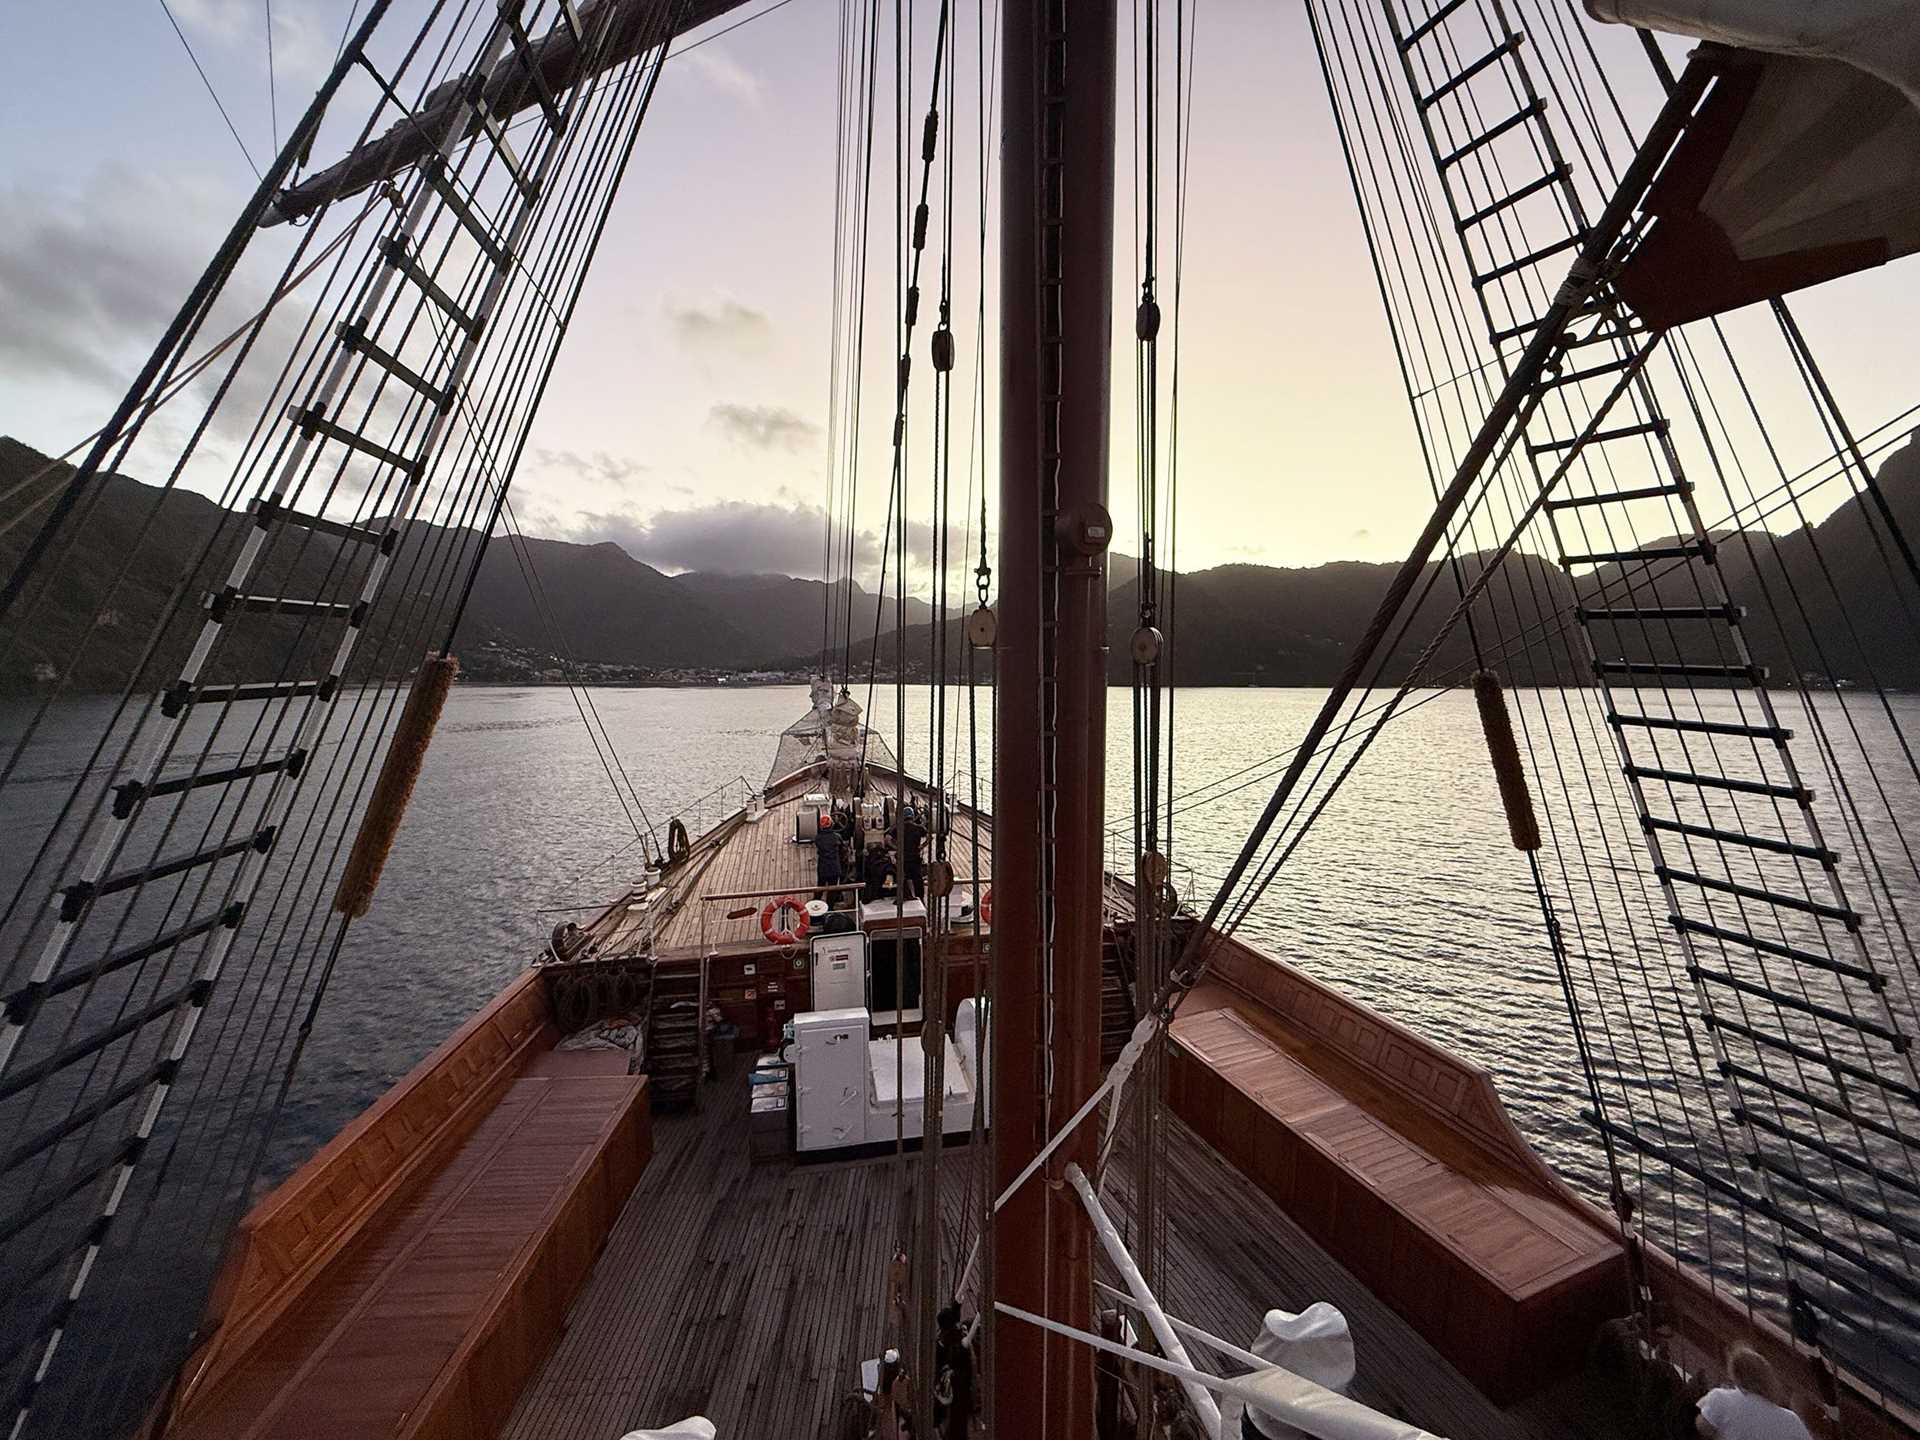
(1880, 37)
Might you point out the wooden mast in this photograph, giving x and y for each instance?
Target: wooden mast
(1056, 216)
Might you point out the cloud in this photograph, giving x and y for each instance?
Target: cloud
(734, 536)
(724, 325)
(1361, 534)
(301, 44)
(87, 280)
(763, 427)
(721, 72)
(598, 468)
(744, 537)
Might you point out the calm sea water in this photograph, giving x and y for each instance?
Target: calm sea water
(1406, 895)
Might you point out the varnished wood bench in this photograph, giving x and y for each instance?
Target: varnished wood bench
(409, 1278)
(1505, 1277)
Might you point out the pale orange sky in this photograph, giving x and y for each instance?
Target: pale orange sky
(696, 375)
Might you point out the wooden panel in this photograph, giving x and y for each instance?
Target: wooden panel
(1460, 1094)
(1510, 1291)
(289, 1238)
(428, 1326)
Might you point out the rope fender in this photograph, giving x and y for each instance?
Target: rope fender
(406, 753)
(1505, 753)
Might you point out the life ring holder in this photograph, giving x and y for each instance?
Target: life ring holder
(787, 937)
(678, 845)
(986, 908)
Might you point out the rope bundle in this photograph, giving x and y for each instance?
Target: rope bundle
(1505, 752)
(406, 753)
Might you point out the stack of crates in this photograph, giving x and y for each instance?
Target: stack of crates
(770, 1104)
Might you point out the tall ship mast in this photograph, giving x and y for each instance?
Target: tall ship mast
(1027, 1137)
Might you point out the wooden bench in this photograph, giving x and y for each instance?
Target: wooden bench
(1505, 1277)
(410, 1277)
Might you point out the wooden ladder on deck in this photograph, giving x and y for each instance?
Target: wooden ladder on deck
(675, 1030)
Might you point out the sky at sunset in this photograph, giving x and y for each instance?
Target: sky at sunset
(688, 417)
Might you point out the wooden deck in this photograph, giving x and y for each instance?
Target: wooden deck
(749, 857)
(751, 1294)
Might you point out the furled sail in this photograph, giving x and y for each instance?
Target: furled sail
(532, 75)
(1879, 37)
(1803, 165)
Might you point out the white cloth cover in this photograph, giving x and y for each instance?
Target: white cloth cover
(1881, 37)
(694, 1427)
(1737, 1415)
(1315, 1345)
(1819, 175)
(884, 1066)
(966, 1039)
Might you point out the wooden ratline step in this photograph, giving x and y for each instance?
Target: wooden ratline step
(1614, 497)
(1824, 856)
(1798, 793)
(1487, 137)
(1493, 57)
(269, 512)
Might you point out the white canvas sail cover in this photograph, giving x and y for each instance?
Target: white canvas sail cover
(694, 1427)
(1315, 1345)
(1803, 163)
(1880, 37)
(843, 729)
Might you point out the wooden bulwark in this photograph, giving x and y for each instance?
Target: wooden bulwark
(292, 1234)
(1508, 1281)
(388, 1291)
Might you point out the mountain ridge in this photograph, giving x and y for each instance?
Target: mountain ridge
(593, 608)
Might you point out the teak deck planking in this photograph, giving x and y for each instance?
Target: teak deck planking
(750, 1294)
(753, 857)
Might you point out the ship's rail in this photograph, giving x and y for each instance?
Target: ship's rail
(312, 1216)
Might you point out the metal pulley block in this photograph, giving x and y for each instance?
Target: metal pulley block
(1153, 869)
(1148, 642)
(982, 626)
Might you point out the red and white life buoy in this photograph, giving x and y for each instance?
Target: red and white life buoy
(778, 934)
(986, 908)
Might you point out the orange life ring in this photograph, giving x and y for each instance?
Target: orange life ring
(770, 916)
(986, 908)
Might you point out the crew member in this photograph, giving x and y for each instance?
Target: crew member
(1749, 1408)
(913, 836)
(876, 869)
(826, 865)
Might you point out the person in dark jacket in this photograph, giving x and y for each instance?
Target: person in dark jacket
(876, 869)
(912, 859)
(826, 865)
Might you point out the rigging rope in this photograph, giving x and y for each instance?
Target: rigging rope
(213, 94)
